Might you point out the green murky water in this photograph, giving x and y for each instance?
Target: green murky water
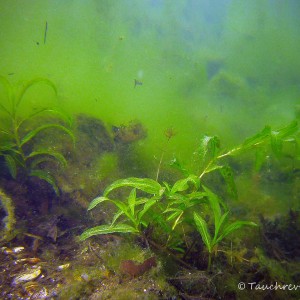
(216, 67)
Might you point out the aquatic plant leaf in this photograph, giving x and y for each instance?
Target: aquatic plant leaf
(209, 147)
(175, 214)
(175, 163)
(117, 216)
(222, 221)
(147, 206)
(197, 196)
(276, 143)
(144, 184)
(97, 201)
(227, 174)
(178, 249)
(256, 139)
(140, 201)
(107, 229)
(35, 131)
(63, 116)
(287, 130)
(259, 138)
(182, 184)
(122, 206)
(58, 156)
(9, 90)
(38, 160)
(278, 137)
(159, 219)
(232, 227)
(172, 209)
(214, 202)
(202, 228)
(30, 84)
(3, 108)
(6, 132)
(176, 198)
(168, 187)
(212, 168)
(260, 158)
(11, 165)
(131, 200)
(7, 146)
(47, 177)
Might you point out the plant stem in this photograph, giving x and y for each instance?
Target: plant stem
(167, 251)
(159, 165)
(209, 262)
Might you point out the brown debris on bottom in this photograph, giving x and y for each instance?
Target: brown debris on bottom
(129, 267)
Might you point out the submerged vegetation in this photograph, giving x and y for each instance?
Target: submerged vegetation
(187, 195)
(147, 151)
(188, 217)
(16, 136)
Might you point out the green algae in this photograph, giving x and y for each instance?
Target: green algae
(9, 220)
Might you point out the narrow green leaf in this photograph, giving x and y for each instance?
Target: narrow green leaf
(122, 206)
(96, 201)
(63, 116)
(223, 220)
(35, 131)
(147, 206)
(276, 143)
(47, 177)
(3, 108)
(58, 156)
(107, 229)
(7, 133)
(140, 201)
(212, 168)
(202, 228)
(144, 184)
(232, 227)
(167, 186)
(182, 184)
(117, 215)
(196, 195)
(11, 165)
(209, 147)
(260, 158)
(174, 215)
(227, 174)
(38, 160)
(175, 163)
(288, 130)
(214, 202)
(258, 138)
(7, 146)
(131, 200)
(8, 87)
(30, 84)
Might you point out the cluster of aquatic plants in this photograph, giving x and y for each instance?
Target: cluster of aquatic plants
(15, 136)
(167, 206)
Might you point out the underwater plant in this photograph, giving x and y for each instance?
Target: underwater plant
(171, 205)
(15, 137)
(222, 227)
(133, 211)
(169, 133)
